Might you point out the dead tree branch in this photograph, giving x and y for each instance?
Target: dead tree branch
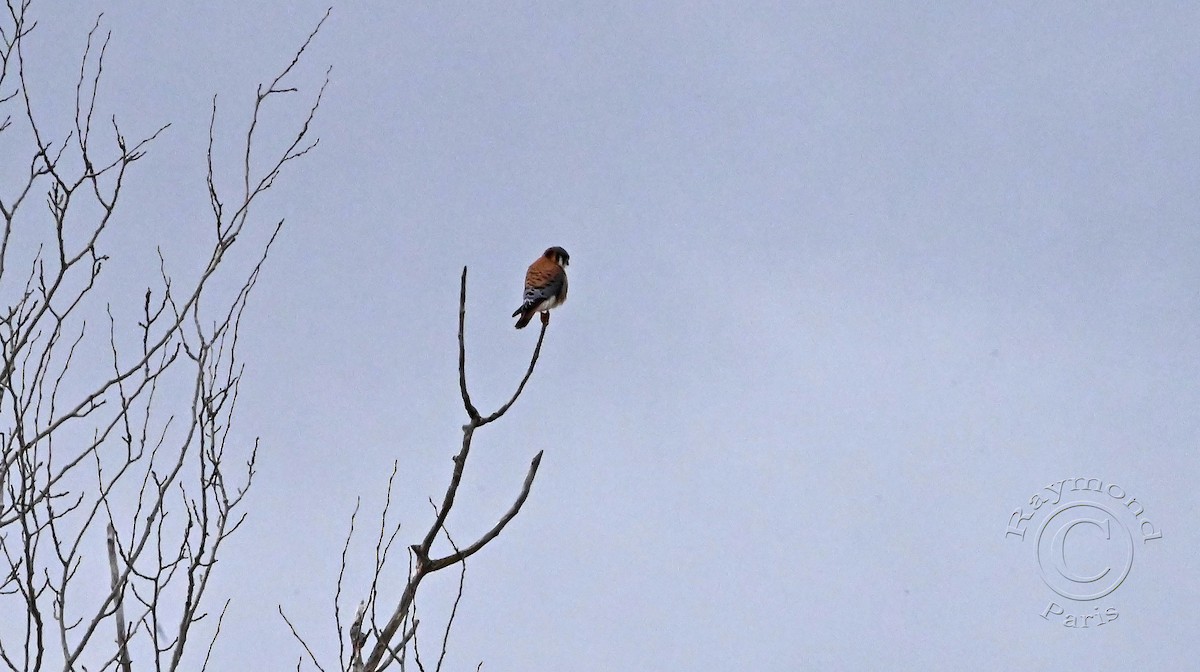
(392, 639)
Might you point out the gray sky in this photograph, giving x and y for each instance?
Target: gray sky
(850, 283)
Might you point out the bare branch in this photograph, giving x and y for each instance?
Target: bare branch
(118, 588)
(355, 627)
(384, 652)
(301, 640)
(358, 638)
(459, 556)
(462, 579)
(216, 633)
(537, 351)
(462, 348)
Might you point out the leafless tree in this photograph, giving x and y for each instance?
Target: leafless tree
(384, 628)
(120, 480)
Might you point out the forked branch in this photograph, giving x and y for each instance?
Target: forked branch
(385, 651)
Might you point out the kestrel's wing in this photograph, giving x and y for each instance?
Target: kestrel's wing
(543, 281)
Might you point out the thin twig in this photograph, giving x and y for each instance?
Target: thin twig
(300, 639)
(462, 578)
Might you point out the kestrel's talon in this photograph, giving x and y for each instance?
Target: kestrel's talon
(545, 286)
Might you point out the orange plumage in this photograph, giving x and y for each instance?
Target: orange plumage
(545, 286)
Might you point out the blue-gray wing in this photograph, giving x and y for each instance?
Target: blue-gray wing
(554, 288)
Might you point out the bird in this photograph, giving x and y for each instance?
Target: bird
(545, 286)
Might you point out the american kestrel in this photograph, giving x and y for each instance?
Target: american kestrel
(545, 286)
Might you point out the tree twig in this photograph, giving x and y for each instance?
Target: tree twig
(300, 639)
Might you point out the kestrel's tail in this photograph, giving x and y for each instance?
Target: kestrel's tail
(526, 316)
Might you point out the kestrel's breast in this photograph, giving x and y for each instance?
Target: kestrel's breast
(562, 291)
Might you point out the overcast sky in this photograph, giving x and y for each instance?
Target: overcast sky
(850, 283)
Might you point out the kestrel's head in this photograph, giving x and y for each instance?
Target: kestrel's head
(558, 255)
